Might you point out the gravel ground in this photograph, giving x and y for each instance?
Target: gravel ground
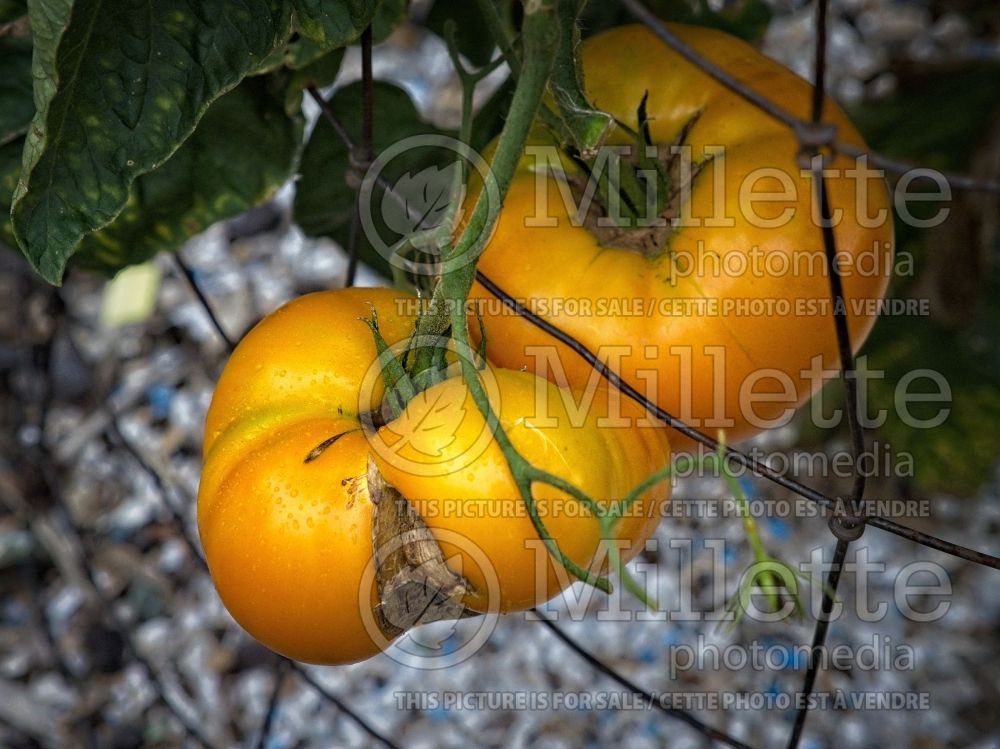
(111, 634)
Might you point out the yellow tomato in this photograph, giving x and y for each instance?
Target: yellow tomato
(724, 320)
(285, 508)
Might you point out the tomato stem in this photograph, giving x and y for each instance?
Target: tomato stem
(525, 475)
(622, 182)
(772, 574)
(615, 563)
(448, 303)
(500, 30)
(448, 299)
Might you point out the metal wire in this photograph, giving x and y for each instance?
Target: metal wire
(367, 727)
(189, 276)
(846, 376)
(272, 703)
(651, 699)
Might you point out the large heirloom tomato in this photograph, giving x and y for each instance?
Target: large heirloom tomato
(285, 509)
(724, 318)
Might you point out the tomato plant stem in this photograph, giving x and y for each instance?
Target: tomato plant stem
(495, 24)
(459, 260)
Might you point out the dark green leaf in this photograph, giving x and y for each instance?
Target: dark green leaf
(299, 52)
(333, 23)
(16, 103)
(304, 52)
(117, 90)
(319, 48)
(243, 149)
(470, 30)
(324, 203)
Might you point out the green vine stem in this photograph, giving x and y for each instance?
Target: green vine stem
(498, 30)
(468, 78)
(576, 123)
(458, 260)
(399, 388)
(615, 512)
(775, 577)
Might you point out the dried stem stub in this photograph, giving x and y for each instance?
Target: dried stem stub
(415, 585)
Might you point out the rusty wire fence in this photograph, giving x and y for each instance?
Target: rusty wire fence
(31, 488)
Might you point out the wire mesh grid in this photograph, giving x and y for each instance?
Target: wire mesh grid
(31, 489)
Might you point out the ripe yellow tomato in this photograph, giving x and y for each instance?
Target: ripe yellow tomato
(285, 508)
(724, 319)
